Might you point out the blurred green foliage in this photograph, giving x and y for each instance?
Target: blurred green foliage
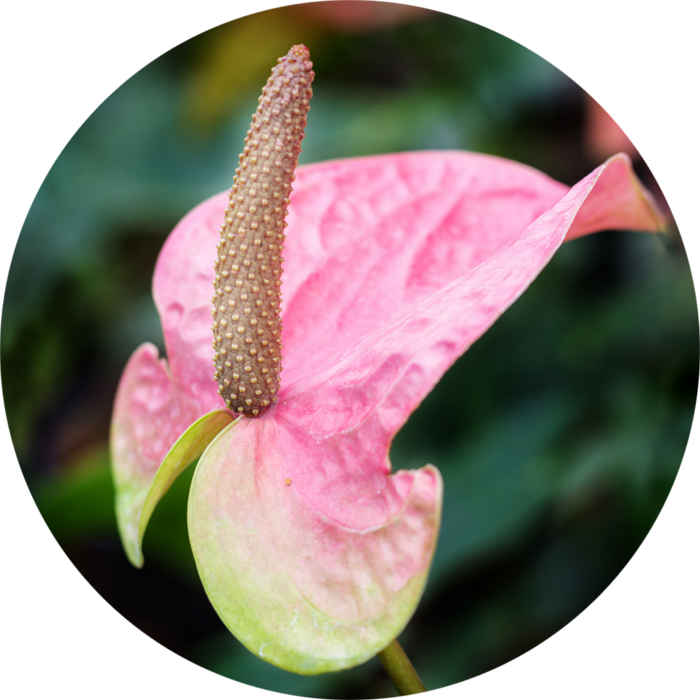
(558, 434)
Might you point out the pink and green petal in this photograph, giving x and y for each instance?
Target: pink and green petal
(189, 447)
(300, 588)
(312, 552)
(151, 412)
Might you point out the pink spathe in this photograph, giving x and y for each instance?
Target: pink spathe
(394, 266)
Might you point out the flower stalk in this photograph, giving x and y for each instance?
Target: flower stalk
(400, 669)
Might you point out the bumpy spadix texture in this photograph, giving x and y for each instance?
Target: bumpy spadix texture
(247, 326)
(311, 550)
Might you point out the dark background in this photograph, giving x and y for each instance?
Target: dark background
(558, 434)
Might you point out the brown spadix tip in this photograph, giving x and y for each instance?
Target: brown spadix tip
(247, 327)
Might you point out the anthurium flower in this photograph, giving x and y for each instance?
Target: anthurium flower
(312, 551)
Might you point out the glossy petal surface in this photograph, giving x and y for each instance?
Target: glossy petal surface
(369, 241)
(396, 265)
(298, 587)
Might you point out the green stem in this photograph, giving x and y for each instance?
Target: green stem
(400, 669)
